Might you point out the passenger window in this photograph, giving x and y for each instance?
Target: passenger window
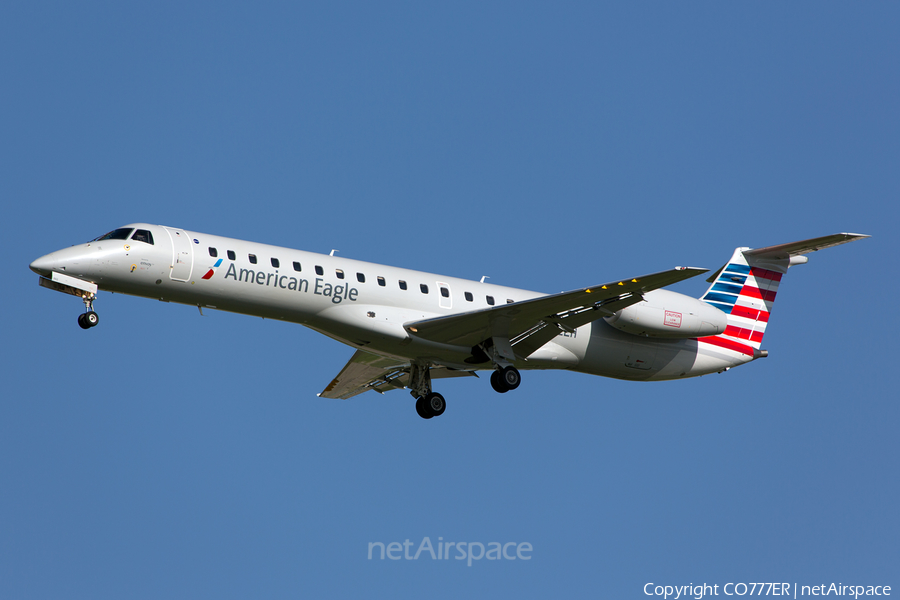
(424, 288)
(445, 292)
(275, 262)
(360, 278)
(212, 251)
(469, 297)
(381, 281)
(231, 255)
(252, 259)
(508, 301)
(319, 270)
(142, 235)
(296, 266)
(402, 284)
(490, 300)
(339, 273)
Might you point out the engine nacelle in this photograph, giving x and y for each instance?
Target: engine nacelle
(665, 314)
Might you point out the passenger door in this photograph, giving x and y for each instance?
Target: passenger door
(182, 255)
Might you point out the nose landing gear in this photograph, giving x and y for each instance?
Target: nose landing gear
(90, 318)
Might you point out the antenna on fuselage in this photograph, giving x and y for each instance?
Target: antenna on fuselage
(483, 277)
(332, 252)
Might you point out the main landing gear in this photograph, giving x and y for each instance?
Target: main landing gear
(505, 379)
(90, 318)
(431, 404)
(428, 403)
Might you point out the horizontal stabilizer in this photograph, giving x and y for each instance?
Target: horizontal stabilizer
(792, 249)
(805, 246)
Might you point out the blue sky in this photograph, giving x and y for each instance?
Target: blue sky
(165, 454)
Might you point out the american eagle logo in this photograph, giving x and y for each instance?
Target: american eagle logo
(212, 270)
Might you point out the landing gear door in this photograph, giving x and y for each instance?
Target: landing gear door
(182, 255)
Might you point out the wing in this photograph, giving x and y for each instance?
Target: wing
(366, 371)
(530, 324)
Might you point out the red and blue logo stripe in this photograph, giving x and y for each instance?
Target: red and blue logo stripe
(212, 270)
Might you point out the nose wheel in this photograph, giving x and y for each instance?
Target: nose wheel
(89, 318)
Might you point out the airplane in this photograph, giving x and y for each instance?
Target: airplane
(411, 327)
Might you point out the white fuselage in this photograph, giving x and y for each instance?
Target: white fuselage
(361, 304)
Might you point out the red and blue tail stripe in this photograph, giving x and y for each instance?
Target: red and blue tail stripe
(746, 294)
(746, 287)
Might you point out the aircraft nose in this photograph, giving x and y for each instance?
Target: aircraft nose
(43, 265)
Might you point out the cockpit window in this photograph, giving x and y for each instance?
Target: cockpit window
(142, 235)
(119, 234)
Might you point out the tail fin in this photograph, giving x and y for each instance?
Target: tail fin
(746, 287)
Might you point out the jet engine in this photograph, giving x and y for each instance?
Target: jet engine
(665, 314)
